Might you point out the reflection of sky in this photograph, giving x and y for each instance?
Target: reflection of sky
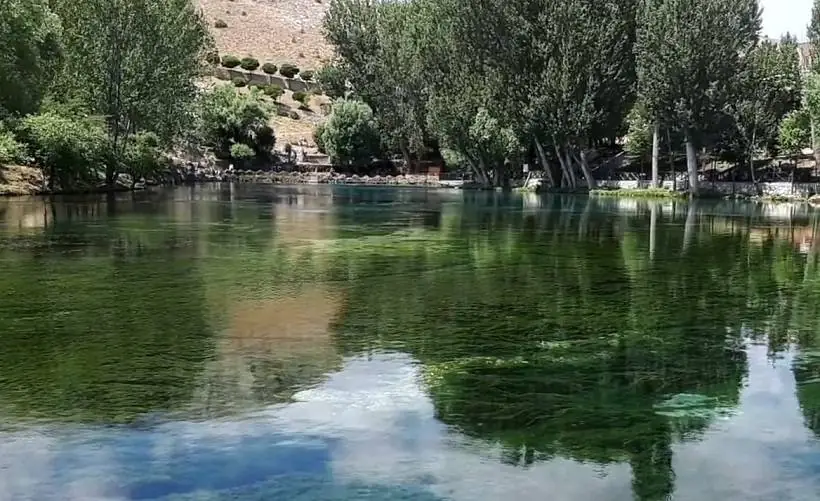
(369, 433)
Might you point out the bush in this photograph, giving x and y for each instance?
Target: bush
(239, 82)
(230, 61)
(317, 138)
(220, 24)
(288, 70)
(294, 115)
(69, 149)
(249, 63)
(306, 75)
(242, 153)
(143, 156)
(212, 57)
(11, 151)
(301, 97)
(269, 68)
(350, 135)
(273, 91)
(227, 117)
(332, 80)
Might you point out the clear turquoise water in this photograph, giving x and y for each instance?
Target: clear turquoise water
(316, 343)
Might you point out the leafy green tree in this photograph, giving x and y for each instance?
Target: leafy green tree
(227, 117)
(766, 89)
(68, 148)
(143, 156)
(795, 132)
(242, 153)
(29, 54)
(11, 150)
(116, 65)
(350, 135)
(688, 55)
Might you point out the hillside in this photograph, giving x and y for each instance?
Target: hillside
(277, 31)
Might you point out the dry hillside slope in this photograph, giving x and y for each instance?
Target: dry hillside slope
(276, 31)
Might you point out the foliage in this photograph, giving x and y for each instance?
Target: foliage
(331, 78)
(212, 57)
(11, 151)
(318, 133)
(288, 70)
(227, 117)
(220, 23)
(134, 62)
(293, 115)
(230, 61)
(239, 82)
(795, 132)
(273, 91)
(69, 149)
(269, 68)
(350, 135)
(639, 131)
(301, 97)
(30, 53)
(249, 63)
(306, 75)
(242, 153)
(142, 156)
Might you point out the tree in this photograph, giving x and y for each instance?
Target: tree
(29, 54)
(766, 88)
(350, 135)
(242, 153)
(226, 117)
(115, 65)
(379, 47)
(795, 132)
(67, 148)
(688, 54)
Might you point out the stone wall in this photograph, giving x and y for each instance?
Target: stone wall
(259, 78)
(797, 190)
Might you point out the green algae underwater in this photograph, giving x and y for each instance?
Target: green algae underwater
(258, 342)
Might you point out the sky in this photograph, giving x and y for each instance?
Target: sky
(780, 16)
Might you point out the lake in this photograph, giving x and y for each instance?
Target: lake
(336, 343)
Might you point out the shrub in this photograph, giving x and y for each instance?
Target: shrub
(11, 151)
(212, 57)
(229, 61)
(249, 63)
(306, 75)
(317, 138)
(301, 97)
(227, 117)
(269, 68)
(288, 70)
(239, 82)
(220, 24)
(143, 156)
(69, 149)
(350, 135)
(294, 115)
(273, 91)
(242, 152)
(332, 80)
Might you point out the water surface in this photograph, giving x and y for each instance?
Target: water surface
(317, 343)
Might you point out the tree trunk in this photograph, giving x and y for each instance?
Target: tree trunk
(653, 224)
(586, 170)
(408, 160)
(672, 161)
(542, 157)
(655, 153)
(691, 165)
(573, 181)
(814, 145)
(566, 180)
